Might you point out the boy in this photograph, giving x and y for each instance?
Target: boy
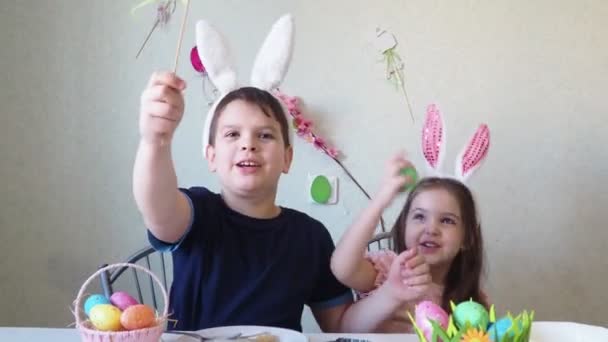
(238, 257)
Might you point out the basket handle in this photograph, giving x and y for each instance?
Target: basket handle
(78, 312)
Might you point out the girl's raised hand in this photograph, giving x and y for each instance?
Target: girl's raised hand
(394, 179)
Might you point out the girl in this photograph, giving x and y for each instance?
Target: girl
(438, 252)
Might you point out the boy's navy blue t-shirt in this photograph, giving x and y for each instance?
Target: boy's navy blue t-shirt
(231, 269)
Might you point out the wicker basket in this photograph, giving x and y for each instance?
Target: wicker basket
(88, 332)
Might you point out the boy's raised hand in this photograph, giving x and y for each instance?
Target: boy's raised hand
(409, 277)
(162, 107)
(394, 180)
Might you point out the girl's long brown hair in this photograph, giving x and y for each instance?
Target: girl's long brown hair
(463, 281)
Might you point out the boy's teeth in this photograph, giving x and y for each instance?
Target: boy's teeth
(429, 244)
(248, 164)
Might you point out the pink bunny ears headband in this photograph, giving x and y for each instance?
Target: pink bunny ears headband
(269, 69)
(433, 146)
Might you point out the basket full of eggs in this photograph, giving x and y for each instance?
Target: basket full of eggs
(119, 318)
(469, 322)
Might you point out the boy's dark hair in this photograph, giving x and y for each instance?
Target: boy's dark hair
(269, 104)
(464, 276)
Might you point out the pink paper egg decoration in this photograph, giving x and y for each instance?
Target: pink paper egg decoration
(195, 59)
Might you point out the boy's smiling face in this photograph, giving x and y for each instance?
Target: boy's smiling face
(248, 153)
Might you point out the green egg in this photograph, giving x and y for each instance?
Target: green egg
(320, 190)
(471, 313)
(413, 174)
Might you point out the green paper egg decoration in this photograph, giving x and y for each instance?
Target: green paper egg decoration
(321, 190)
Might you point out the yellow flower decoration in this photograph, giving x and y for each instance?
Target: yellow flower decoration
(474, 335)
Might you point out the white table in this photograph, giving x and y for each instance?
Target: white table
(541, 332)
(71, 335)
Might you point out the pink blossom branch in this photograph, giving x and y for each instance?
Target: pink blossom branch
(303, 127)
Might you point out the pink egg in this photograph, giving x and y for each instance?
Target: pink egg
(195, 59)
(426, 311)
(122, 300)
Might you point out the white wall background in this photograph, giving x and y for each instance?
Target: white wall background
(535, 71)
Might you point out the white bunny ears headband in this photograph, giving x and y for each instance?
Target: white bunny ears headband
(433, 146)
(269, 69)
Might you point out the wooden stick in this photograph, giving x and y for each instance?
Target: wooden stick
(181, 36)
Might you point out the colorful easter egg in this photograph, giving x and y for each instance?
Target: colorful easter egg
(413, 174)
(426, 311)
(471, 313)
(138, 316)
(122, 300)
(105, 317)
(94, 300)
(499, 329)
